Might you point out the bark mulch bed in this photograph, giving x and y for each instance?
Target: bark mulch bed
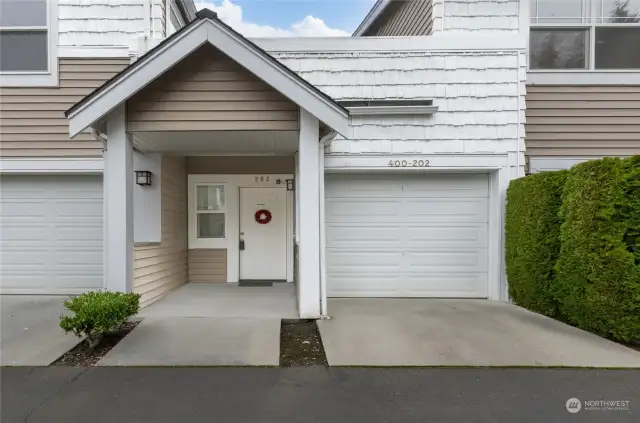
(82, 356)
(301, 345)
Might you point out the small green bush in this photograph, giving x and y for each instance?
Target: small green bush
(99, 312)
(597, 280)
(532, 244)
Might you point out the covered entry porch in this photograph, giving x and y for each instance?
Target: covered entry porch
(208, 95)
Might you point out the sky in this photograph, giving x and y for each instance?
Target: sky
(290, 18)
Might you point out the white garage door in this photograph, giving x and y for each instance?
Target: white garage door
(418, 235)
(50, 234)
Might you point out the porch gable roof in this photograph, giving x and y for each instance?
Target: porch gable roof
(206, 28)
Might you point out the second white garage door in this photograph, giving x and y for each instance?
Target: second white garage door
(407, 235)
(50, 234)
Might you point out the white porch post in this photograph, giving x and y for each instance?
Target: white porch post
(308, 196)
(118, 200)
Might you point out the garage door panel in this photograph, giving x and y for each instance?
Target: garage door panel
(446, 261)
(349, 261)
(445, 210)
(361, 210)
(447, 285)
(413, 235)
(52, 234)
(363, 235)
(77, 260)
(446, 236)
(447, 186)
(354, 285)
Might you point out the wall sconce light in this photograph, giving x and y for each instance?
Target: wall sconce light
(290, 185)
(143, 177)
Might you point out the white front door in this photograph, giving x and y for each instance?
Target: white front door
(264, 256)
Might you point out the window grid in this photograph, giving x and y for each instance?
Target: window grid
(589, 21)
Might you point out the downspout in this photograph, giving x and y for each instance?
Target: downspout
(324, 141)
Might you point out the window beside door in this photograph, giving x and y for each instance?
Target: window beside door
(210, 211)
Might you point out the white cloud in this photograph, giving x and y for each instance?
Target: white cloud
(231, 14)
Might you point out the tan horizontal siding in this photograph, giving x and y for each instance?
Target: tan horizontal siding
(32, 121)
(404, 18)
(239, 165)
(159, 268)
(207, 265)
(583, 120)
(210, 92)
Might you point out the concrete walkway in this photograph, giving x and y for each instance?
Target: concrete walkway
(199, 342)
(227, 300)
(432, 332)
(30, 334)
(209, 325)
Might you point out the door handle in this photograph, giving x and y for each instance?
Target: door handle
(242, 245)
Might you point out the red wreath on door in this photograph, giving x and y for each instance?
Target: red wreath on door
(263, 216)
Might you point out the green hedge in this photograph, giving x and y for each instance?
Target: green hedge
(597, 282)
(532, 239)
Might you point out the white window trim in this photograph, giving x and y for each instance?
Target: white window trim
(39, 79)
(198, 212)
(589, 22)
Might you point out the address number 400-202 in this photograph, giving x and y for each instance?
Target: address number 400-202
(408, 163)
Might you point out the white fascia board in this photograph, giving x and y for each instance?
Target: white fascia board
(392, 110)
(26, 166)
(583, 78)
(127, 86)
(371, 17)
(431, 43)
(240, 50)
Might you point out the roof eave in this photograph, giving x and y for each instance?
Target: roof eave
(372, 16)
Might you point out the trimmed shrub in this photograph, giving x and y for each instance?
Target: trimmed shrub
(597, 282)
(99, 312)
(532, 239)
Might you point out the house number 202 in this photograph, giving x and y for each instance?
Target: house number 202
(408, 163)
(261, 178)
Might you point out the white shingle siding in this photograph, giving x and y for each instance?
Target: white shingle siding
(106, 23)
(476, 15)
(480, 98)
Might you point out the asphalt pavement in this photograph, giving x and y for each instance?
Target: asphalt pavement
(317, 394)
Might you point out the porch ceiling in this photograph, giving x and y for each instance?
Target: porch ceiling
(218, 142)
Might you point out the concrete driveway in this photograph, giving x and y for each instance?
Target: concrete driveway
(434, 332)
(30, 335)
